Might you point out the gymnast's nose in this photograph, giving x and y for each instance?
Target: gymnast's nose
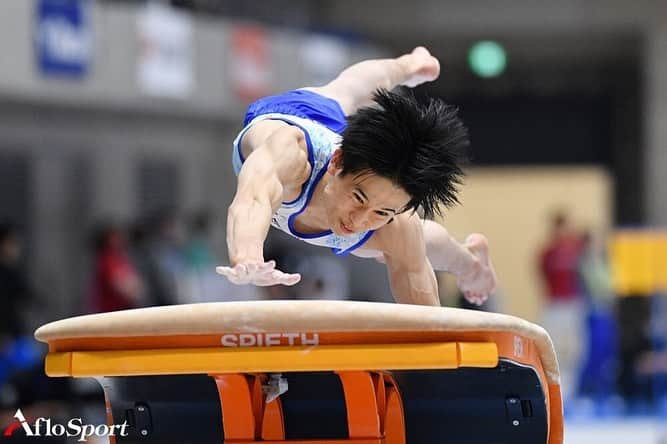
(359, 218)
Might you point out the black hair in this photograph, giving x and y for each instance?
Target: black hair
(420, 147)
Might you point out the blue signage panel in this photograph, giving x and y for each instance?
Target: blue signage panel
(63, 40)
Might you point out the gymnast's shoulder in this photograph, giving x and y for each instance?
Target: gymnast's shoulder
(402, 236)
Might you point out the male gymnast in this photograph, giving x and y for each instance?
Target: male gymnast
(346, 166)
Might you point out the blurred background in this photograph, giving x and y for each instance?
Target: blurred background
(116, 124)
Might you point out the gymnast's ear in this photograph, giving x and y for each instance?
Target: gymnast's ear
(336, 162)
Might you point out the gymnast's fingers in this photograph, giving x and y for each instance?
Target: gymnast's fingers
(229, 273)
(270, 265)
(236, 275)
(263, 274)
(225, 271)
(474, 298)
(481, 298)
(285, 278)
(251, 269)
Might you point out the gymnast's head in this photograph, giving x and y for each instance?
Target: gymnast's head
(395, 156)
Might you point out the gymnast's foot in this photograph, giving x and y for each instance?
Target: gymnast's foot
(481, 281)
(421, 66)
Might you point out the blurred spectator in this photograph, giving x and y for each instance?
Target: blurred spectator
(17, 353)
(14, 289)
(157, 289)
(598, 374)
(198, 252)
(560, 259)
(164, 250)
(22, 378)
(657, 359)
(563, 308)
(593, 271)
(198, 281)
(116, 284)
(322, 277)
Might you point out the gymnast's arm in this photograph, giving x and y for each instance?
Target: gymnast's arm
(411, 275)
(445, 252)
(277, 164)
(469, 262)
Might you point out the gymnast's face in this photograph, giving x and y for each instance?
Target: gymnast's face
(361, 201)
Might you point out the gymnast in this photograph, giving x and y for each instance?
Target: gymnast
(346, 166)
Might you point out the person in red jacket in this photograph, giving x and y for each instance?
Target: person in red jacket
(564, 311)
(116, 283)
(559, 261)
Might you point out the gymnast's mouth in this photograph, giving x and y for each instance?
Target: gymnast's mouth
(345, 229)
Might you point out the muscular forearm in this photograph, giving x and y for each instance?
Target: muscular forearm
(248, 222)
(419, 288)
(247, 226)
(444, 252)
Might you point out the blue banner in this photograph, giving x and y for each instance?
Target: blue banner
(63, 39)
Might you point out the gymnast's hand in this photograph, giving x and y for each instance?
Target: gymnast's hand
(262, 274)
(480, 280)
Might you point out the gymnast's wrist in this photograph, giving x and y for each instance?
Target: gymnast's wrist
(244, 250)
(467, 264)
(246, 259)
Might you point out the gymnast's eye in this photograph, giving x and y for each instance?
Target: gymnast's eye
(382, 213)
(358, 198)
